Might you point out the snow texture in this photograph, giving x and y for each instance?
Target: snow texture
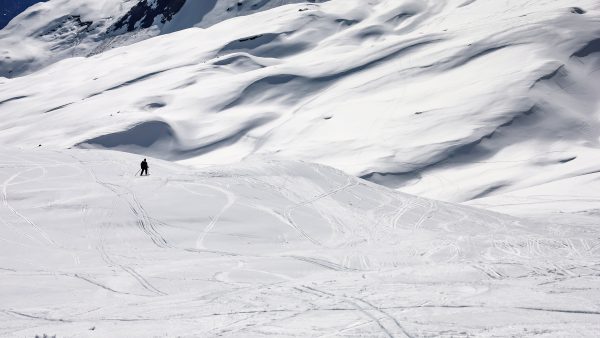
(272, 248)
(491, 106)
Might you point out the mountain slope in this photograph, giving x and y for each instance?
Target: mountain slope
(271, 248)
(417, 95)
(47, 33)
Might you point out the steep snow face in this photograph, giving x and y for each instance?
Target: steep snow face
(48, 33)
(272, 248)
(423, 96)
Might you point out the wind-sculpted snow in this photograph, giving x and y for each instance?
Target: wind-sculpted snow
(272, 248)
(421, 96)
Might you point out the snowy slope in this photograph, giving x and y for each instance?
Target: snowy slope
(272, 248)
(491, 103)
(572, 200)
(421, 96)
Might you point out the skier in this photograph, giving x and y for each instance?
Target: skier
(144, 166)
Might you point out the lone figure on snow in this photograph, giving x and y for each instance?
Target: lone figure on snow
(144, 166)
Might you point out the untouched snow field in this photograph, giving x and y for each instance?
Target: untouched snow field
(272, 248)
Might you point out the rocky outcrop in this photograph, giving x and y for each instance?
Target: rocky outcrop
(146, 12)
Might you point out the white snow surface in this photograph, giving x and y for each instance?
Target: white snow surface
(272, 248)
(244, 228)
(416, 95)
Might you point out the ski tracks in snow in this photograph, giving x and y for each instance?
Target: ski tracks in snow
(429, 207)
(351, 182)
(322, 263)
(5, 201)
(230, 197)
(145, 223)
(129, 270)
(387, 324)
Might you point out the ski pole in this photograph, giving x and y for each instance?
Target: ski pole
(137, 172)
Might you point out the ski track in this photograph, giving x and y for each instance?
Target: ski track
(431, 207)
(351, 182)
(367, 308)
(143, 282)
(213, 221)
(145, 223)
(5, 202)
(323, 263)
(403, 209)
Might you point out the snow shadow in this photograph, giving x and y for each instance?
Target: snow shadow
(144, 135)
(266, 45)
(591, 47)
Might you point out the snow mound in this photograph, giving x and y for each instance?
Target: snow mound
(267, 248)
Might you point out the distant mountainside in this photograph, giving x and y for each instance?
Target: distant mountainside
(65, 28)
(11, 8)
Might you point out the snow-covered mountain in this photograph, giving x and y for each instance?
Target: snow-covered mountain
(61, 29)
(417, 95)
